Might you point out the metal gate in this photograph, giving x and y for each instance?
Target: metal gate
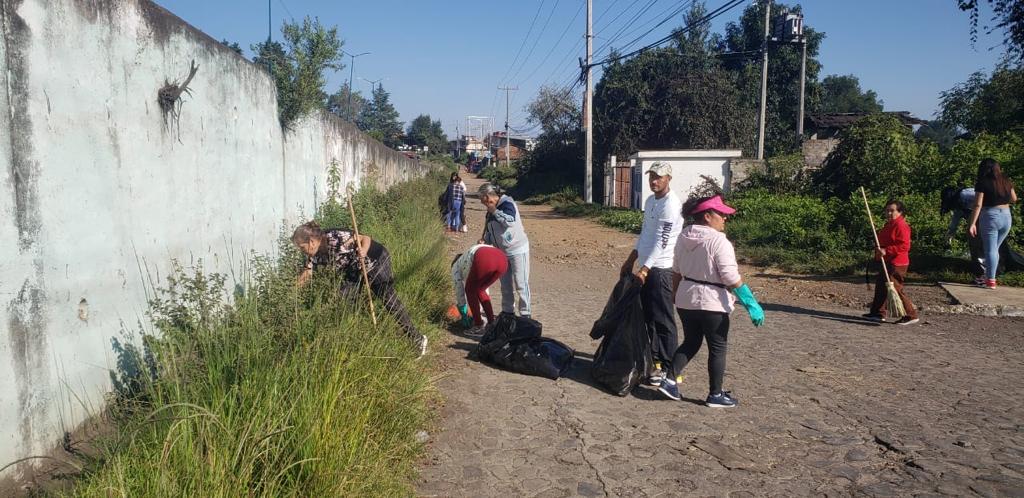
(623, 185)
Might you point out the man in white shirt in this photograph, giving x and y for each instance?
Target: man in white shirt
(663, 220)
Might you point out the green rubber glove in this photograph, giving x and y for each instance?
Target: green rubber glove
(467, 321)
(746, 297)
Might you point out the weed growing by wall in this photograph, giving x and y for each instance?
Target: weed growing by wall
(287, 391)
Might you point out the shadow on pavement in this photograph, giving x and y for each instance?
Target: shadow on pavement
(823, 315)
(648, 393)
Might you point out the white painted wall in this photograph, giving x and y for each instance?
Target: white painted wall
(687, 168)
(98, 192)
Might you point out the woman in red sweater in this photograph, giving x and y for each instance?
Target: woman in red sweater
(894, 239)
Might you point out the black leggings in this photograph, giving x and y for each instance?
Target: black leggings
(699, 325)
(382, 283)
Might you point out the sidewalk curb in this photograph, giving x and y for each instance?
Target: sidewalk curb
(975, 309)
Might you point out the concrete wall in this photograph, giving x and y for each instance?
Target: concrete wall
(100, 190)
(687, 168)
(816, 150)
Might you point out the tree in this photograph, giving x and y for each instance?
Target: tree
(662, 99)
(1008, 16)
(879, 153)
(232, 45)
(298, 66)
(380, 119)
(747, 35)
(936, 131)
(423, 131)
(986, 104)
(840, 94)
(338, 103)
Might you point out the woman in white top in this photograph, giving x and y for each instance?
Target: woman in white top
(704, 273)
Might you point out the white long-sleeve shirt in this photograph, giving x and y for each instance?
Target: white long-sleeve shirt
(460, 272)
(663, 220)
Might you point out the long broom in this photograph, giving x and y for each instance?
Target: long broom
(362, 262)
(892, 300)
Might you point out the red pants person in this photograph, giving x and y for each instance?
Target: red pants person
(489, 264)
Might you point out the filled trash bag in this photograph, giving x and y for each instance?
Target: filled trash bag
(539, 356)
(1010, 259)
(507, 328)
(514, 343)
(624, 356)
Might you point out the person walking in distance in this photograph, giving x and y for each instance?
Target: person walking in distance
(653, 252)
(991, 220)
(340, 250)
(704, 273)
(503, 228)
(456, 196)
(894, 252)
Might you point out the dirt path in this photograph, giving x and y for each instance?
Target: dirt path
(828, 403)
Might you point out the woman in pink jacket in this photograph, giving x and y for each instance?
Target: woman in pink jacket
(706, 284)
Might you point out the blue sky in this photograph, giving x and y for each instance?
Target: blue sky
(447, 58)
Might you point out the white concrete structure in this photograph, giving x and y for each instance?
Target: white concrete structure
(687, 168)
(100, 189)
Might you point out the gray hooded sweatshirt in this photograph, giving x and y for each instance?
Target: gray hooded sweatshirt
(504, 228)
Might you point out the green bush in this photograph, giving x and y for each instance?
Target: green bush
(287, 392)
(503, 176)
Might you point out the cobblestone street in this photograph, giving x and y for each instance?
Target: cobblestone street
(828, 403)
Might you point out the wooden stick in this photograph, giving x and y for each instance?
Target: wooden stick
(878, 246)
(362, 264)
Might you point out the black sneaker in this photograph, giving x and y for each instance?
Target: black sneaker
(873, 317)
(723, 399)
(669, 389)
(907, 321)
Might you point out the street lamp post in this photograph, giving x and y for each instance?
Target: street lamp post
(351, 70)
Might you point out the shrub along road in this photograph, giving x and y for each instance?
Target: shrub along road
(828, 403)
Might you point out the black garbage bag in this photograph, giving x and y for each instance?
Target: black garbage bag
(539, 356)
(1010, 259)
(624, 356)
(507, 329)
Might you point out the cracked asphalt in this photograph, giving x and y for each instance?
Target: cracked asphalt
(829, 404)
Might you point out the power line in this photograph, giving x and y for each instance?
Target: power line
(670, 12)
(729, 5)
(557, 43)
(618, 33)
(666, 19)
(525, 38)
(535, 41)
(286, 10)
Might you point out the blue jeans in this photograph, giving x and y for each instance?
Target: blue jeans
(993, 227)
(455, 216)
(516, 279)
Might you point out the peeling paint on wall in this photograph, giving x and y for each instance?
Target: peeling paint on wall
(24, 170)
(27, 340)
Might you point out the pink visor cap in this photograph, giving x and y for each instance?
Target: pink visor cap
(715, 203)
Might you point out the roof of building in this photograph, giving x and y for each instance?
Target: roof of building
(843, 120)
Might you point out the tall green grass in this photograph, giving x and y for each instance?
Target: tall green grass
(285, 392)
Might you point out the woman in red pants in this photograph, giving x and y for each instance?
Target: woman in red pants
(473, 272)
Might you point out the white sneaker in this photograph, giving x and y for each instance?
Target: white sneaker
(421, 344)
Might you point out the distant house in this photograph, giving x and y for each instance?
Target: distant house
(823, 132)
(517, 145)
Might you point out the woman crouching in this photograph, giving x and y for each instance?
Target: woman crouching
(338, 249)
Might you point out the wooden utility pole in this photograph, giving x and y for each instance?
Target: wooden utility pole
(588, 107)
(764, 81)
(508, 138)
(803, 79)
